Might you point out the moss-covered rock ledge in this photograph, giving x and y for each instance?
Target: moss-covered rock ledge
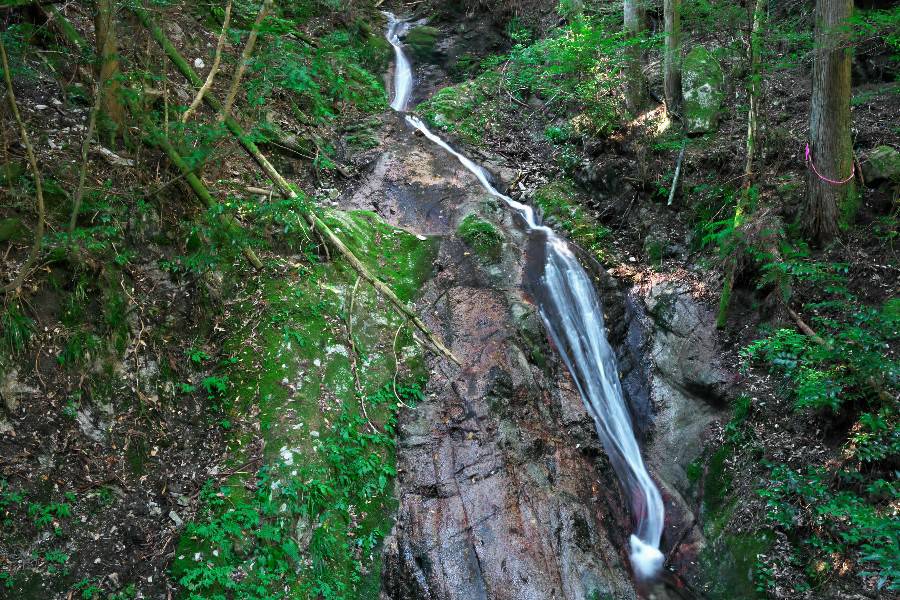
(320, 370)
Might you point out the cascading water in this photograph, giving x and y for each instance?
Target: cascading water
(402, 70)
(571, 313)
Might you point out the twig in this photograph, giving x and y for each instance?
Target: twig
(38, 187)
(215, 67)
(245, 60)
(397, 366)
(353, 355)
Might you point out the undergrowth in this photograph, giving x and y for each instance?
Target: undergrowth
(304, 529)
(840, 514)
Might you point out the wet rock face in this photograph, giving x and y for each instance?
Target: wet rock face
(500, 493)
(686, 384)
(503, 489)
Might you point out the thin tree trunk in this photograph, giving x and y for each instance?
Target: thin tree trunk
(212, 71)
(112, 114)
(245, 60)
(635, 82)
(831, 149)
(672, 67)
(754, 91)
(16, 283)
(85, 147)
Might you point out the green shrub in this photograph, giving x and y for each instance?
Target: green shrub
(836, 514)
(15, 329)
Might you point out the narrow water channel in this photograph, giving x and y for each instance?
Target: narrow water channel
(573, 316)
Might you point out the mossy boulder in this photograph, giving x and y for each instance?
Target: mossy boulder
(422, 42)
(13, 230)
(703, 86)
(882, 165)
(482, 237)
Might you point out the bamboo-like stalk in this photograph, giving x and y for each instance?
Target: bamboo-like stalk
(245, 59)
(154, 136)
(16, 283)
(213, 70)
(752, 146)
(315, 222)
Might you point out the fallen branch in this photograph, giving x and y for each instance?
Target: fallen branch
(314, 221)
(157, 138)
(16, 283)
(188, 72)
(215, 67)
(806, 329)
(397, 366)
(245, 60)
(677, 175)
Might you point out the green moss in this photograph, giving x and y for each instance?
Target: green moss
(732, 568)
(422, 41)
(467, 110)
(482, 237)
(323, 499)
(718, 481)
(13, 230)
(562, 209)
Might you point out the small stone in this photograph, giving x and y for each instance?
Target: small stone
(175, 518)
(198, 63)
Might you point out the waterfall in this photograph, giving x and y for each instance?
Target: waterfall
(572, 314)
(402, 69)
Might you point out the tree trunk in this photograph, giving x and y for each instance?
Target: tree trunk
(112, 115)
(672, 68)
(635, 82)
(754, 91)
(831, 150)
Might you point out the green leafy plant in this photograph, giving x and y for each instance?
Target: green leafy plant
(16, 329)
(856, 522)
(301, 528)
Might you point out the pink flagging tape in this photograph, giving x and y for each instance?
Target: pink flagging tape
(825, 179)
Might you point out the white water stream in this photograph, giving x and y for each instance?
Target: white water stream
(570, 309)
